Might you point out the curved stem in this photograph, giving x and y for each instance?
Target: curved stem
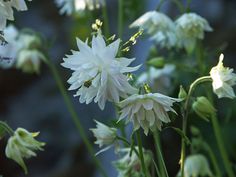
(220, 144)
(159, 154)
(74, 115)
(185, 117)
(106, 20)
(140, 149)
(6, 128)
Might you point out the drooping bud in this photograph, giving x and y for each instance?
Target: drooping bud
(157, 62)
(203, 108)
(22, 145)
(182, 93)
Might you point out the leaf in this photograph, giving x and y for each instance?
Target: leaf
(181, 133)
(2, 132)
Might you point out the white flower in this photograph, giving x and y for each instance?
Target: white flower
(29, 61)
(6, 10)
(98, 74)
(68, 7)
(104, 135)
(189, 28)
(196, 165)
(159, 26)
(22, 145)
(148, 110)
(8, 52)
(223, 80)
(130, 165)
(161, 78)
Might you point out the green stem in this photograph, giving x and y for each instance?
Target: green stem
(159, 5)
(74, 115)
(220, 144)
(200, 57)
(140, 149)
(213, 160)
(185, 118)
(6, 128)
(159, 155)
(127, 143)
(120, 18)
(106, 20)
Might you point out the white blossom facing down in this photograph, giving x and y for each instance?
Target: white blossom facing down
(159, 27)
(97, 73)
(223, 80)
(104, 134)
(196, 165)
(68, 7)
(148, 111)
(189, 28)
(6, 10)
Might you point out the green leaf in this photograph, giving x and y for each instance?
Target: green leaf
(181, 133)
(157, 62)
(2, 132)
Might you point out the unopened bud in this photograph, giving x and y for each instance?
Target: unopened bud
(182, 93)
(157, 62)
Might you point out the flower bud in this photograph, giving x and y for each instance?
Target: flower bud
(104, 134)
(203, 108)
(22, 145)
(182, 93)
(29, 61)
(30, 41)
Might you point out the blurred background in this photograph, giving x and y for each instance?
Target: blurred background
(34, 102)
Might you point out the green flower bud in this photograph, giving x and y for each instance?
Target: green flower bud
(22, 145)
(195, 131)
(29, 61)
(157, 62)
(203, 108)
(182, 93)
(30, 41)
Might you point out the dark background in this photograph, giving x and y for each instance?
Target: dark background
(34, 102)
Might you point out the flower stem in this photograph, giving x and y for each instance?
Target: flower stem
(106, 20)
(74, 115)
(185, 117)
(141, 157)
(120, 18)
(220, 144)
(213, 160)
(127, 143)
(160, 158)
(6, 128)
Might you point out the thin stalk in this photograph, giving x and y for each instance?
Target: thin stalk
(120, 18)
(74, 115)
(6, 128)
(185, 118)
(159, 155)
(221, 147)
(106, 20)
(127, 143)
(140, 149)
(213, 160)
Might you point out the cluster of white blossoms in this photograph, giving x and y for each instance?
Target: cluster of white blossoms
(97, 73)
(22, 145)
(22, 51)
(68, 7)
(6, 10)
(148, 111)
(183, 33)
(159, 26)
(189, 28)
(196, 165)
(223, 79)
